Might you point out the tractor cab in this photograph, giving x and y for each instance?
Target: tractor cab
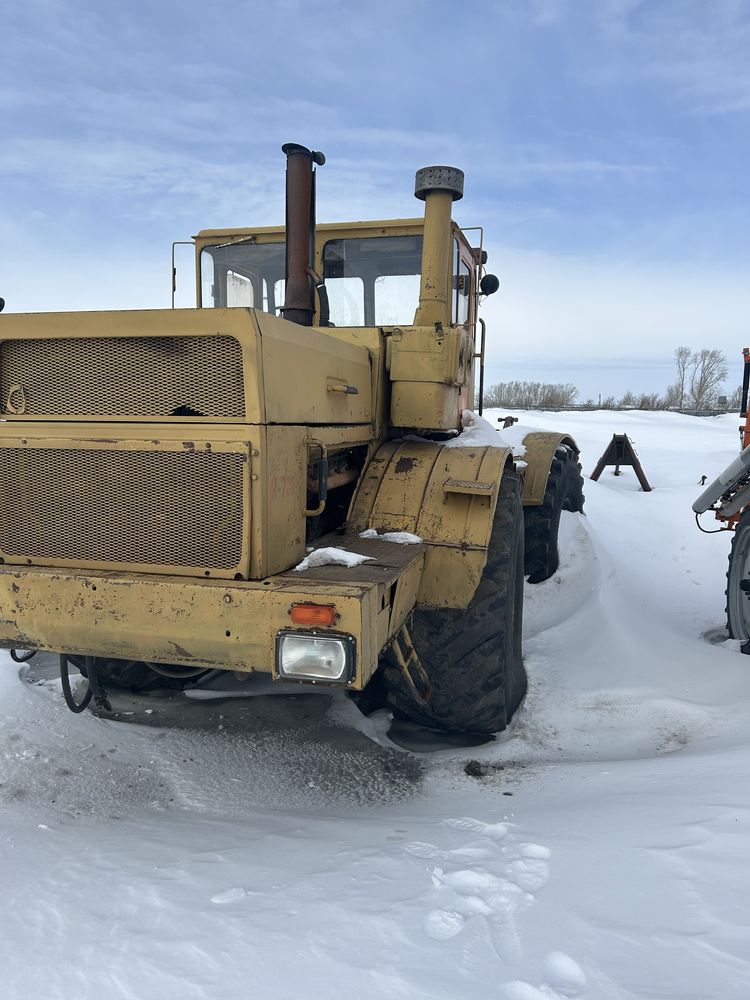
(371, 270)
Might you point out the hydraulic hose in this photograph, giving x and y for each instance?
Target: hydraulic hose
(70, 701)
(23, 657)
(95, 688)
(320, 286)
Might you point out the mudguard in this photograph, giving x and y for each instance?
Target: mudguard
(447, 496)
(540, 447)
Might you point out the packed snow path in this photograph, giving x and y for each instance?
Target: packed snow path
(279, 847)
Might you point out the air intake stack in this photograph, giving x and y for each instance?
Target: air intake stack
(438, 188)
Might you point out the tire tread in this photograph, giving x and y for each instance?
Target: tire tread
(464, 651)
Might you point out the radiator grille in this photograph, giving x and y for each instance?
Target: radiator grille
(123, 376)
(161, 508)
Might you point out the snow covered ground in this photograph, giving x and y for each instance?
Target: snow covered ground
(282, 847)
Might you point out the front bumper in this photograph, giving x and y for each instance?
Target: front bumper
(208, 623)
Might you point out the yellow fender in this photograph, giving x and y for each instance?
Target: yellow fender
(540, 450)
(447, 496)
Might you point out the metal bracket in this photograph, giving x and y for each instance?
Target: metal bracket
(177, 243)
(322, 477)
(480, 355)
(408, 661)
(619, 452)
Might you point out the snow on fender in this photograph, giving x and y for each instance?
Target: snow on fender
(330, 556)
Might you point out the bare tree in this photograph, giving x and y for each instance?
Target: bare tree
(734, 401)
(672, 397)
(700, 378)
(683, 357)
(708, 373)
(650, 401)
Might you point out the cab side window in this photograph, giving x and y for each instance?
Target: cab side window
(461, 287)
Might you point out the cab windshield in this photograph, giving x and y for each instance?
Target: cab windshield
(243, 274)
(371, 281)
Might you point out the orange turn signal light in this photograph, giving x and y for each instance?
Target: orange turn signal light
(314, 614)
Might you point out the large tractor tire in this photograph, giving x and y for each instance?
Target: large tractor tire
(472, 657)
(542, 524)
(738, 581)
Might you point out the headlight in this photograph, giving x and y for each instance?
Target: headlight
(315, 656)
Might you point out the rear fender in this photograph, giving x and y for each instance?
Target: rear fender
(540, 448)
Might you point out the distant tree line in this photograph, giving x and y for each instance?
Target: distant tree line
(522, 395)
(699, 385)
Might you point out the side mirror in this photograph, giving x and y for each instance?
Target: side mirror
(489, 284)
(2, 305)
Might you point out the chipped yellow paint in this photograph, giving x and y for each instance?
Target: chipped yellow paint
(404, 489)
(229, 625)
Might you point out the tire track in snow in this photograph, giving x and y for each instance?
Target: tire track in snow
(572, 587)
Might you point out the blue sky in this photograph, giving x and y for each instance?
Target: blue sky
(605, 146)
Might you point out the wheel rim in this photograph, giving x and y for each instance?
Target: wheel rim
(738, 601)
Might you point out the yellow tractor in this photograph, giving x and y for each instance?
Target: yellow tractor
(278, 480)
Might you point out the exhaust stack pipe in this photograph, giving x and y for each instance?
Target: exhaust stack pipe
(299, 302)
(438, 188)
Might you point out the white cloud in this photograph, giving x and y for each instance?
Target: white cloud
(558, 310)
(697, 50)
(547, 12)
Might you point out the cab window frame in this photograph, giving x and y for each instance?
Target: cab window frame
(347, 257)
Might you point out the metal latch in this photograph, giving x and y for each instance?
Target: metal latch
(350, 390)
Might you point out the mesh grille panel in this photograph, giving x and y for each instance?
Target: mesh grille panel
(158, 508)
(123, 376)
